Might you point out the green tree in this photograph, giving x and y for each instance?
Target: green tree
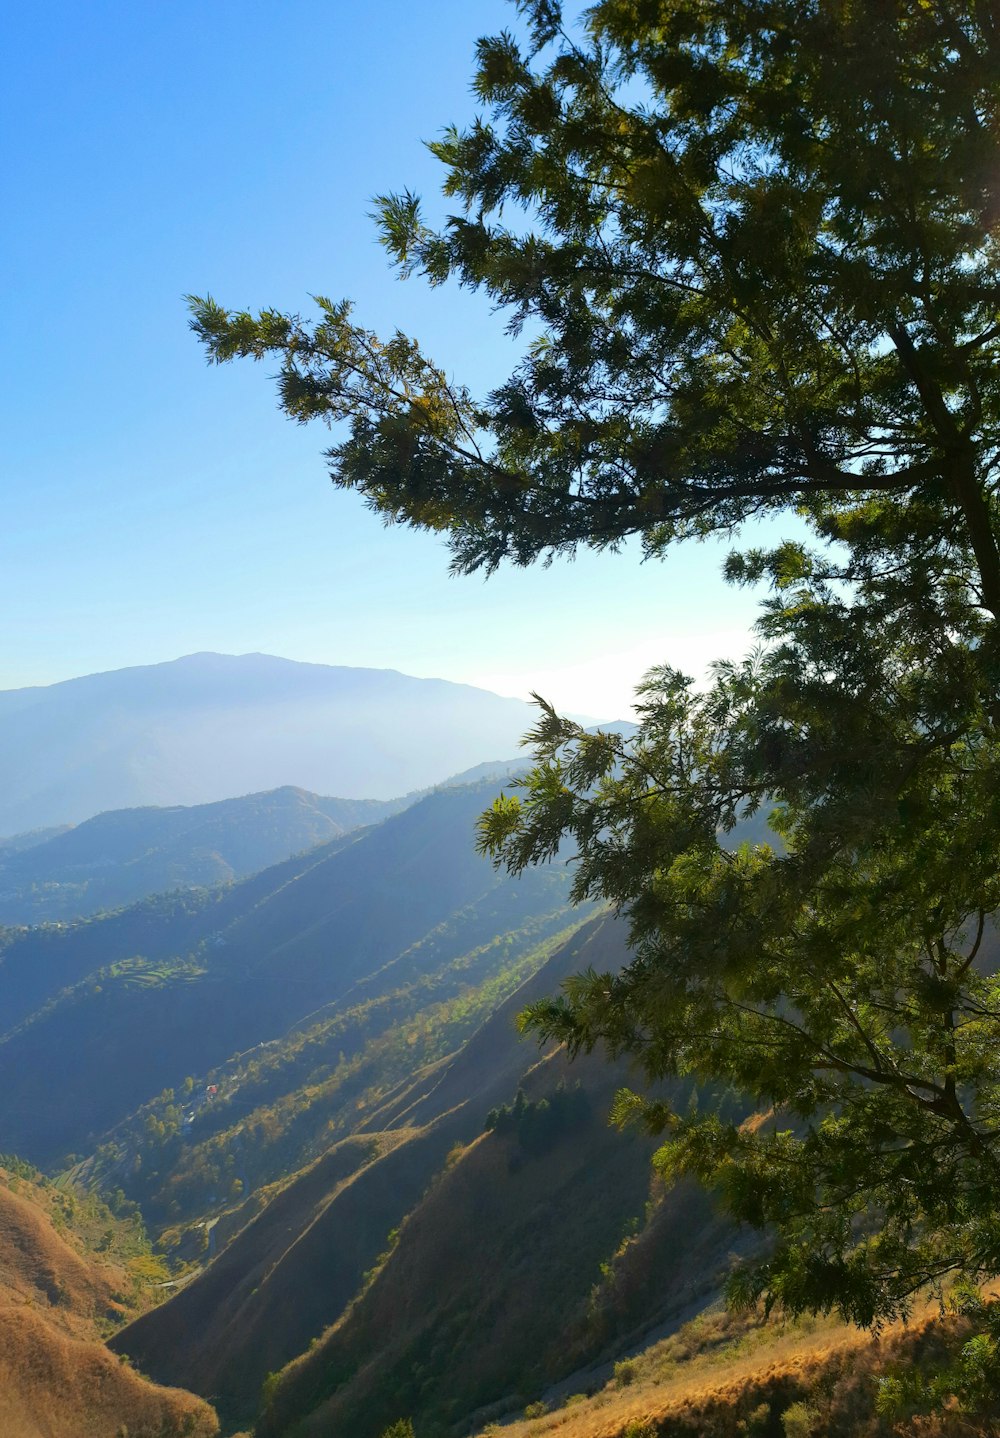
(402, 1429)
(755, 250)
(757, 253)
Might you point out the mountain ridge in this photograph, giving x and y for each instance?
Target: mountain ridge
(206, 727)
(121, 856)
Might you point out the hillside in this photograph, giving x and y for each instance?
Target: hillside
(530, 1279)
(322, 1231)
(66, 1253)
(539, 1209)
(482, 1300)
(275, 1109)
(126, 855)
(368, 1252)
(100, 1017)
(726, 1376)
(210, 726)
(69, 1272)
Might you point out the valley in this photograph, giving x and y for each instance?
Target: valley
(387, 1049)
(308, 1086)
(313, 1179)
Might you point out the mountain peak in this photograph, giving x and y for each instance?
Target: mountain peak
(209, 726)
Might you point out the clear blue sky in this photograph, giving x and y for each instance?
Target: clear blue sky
(152, 506)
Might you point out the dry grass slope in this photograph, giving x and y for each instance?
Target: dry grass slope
(55, 1386)
(57, 1380)
(722, 1377)
(477, 1300)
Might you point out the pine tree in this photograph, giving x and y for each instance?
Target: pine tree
(756, 248)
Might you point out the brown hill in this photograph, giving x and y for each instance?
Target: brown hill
(725, 1376)
(508, 1269)
(55, 1386)
(423, 1268)
(57, 1380)
(491, 1268)
(288, 1274)
(39, 1268)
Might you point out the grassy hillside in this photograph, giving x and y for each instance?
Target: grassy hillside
(64, 1251)
(316, 1240)
(516, 1281)
(478, 1263)
(280, 1106)
(472, 1305)
(70, 1272)
(54, 1386)
(721, 1376)
(37, 964)
(237, 969)
(126, 855)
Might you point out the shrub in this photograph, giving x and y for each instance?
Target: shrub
(799, 1421)
(756, 1422)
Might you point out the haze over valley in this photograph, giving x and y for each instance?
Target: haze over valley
(216, 726)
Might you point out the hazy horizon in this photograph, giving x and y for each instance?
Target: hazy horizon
(263, 654)
(155, 507)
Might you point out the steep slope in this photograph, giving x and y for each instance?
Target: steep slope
(54, 1386)
(57, 1380)
(247, 965)
(487, 1291)
(188, 1158)
(227, 1330)
(125, 855)
(38, 1266)
(289, 1274)
(471, 1307)
(739, 1376)
(210, 726)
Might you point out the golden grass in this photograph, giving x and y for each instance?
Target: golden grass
(721, 1377)
(57, 1299)
(55, 1386)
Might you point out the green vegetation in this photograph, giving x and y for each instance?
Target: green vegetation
(230, 972)
(749, 287)
(537, 1124)
(482, 1299)
(728, 1376)
(38, 963)
(402, 1429)
(280, 1107)
(112, 1235)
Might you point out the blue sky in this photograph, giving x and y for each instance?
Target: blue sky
(153, 506)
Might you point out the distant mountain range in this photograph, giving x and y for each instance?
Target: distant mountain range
(209, 727)
(98, 1017)
(125, 855)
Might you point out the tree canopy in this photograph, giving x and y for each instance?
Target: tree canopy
(753, 246)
